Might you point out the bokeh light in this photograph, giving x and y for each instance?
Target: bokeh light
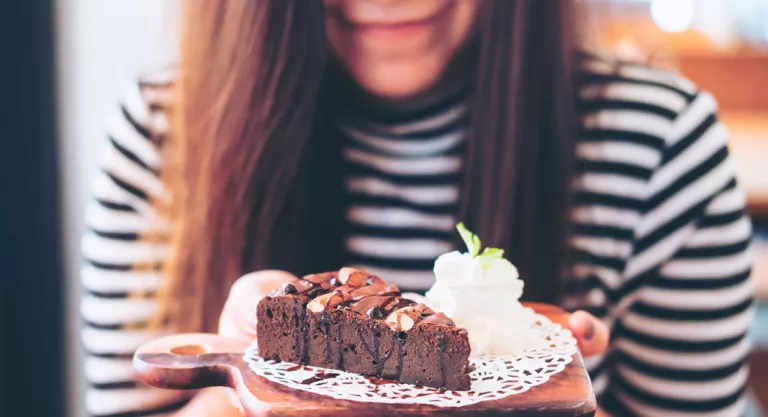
(672, 16)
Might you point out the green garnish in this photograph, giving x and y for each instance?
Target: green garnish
(473, 244)
(493, 253)
(470, 239)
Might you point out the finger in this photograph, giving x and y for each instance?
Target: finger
(234, 401)
(591, 333)
(215, 401)
(238, 317)
(234, 325)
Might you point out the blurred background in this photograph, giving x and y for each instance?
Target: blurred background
(65, 63)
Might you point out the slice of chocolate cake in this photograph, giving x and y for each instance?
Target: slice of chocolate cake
(354, 321)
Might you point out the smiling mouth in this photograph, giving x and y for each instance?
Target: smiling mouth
(384, 27)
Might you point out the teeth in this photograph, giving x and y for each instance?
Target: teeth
(352, 277)
(327, 301)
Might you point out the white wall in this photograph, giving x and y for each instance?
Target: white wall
(102, 46)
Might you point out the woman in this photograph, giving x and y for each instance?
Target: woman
(303, 135)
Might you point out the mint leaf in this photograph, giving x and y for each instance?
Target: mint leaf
(493, 253)
(470, 239)
(473, 244)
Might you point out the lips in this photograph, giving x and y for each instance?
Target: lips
(393, 24)
(388, 23)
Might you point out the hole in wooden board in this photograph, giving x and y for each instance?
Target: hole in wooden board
(189, 350)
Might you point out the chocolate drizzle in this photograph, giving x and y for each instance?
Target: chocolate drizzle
(323, 279)
(397, 304)
(340, 362)
(374, 293)
(294, 287)
(325, 328)
(400, 356)
(297, 336)
(441, 355)
(368, 303)
(438, 318)
(375, 350)
(304, 330)
(378, 289)
(310, 285)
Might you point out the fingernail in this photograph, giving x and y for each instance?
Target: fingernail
(590, 332)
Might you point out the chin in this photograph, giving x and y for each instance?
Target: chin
(397, 82)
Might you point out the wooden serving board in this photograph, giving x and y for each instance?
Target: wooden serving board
(193, 361)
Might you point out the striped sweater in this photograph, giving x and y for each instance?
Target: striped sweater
(661, 239)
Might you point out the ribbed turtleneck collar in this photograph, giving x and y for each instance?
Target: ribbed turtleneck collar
(424, 119)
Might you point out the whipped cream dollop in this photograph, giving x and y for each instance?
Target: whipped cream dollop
(481, 293)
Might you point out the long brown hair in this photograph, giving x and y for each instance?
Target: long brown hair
(255, 174)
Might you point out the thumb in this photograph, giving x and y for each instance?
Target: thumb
(238, 317)
(592, 334)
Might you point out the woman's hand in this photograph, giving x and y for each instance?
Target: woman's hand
(218, 401)
(238, 318)
(592, 334)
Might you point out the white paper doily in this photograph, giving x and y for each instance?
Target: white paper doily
(493, 377)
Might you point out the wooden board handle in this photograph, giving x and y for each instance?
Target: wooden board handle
(190, 361)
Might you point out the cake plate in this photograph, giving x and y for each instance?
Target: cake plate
(194, 361)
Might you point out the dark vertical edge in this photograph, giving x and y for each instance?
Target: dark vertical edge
(32, 373)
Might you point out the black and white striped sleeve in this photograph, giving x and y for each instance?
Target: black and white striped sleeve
(680, 339)
(119, 274)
